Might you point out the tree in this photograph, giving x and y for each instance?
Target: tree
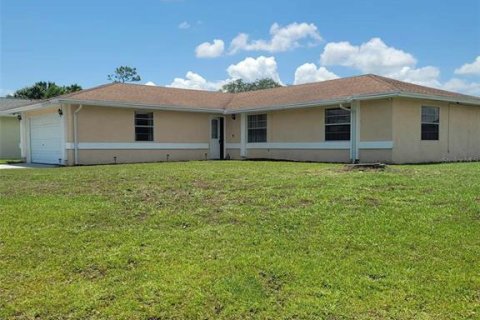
(124, 74)
(45, 90)
(241, 86)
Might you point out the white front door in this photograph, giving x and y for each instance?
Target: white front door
(46, 139)
(215, 138)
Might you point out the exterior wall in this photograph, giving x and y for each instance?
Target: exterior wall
(459, 132)
(233, 154)
(376, 120)
(107, 124)
(88, 157)
(117, 125)
(296, 125)
(290, 133)
(376, 155)
(307, 125)
(9, 138)
(232, 129)
(300, 155)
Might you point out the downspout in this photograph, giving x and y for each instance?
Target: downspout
(75, 133)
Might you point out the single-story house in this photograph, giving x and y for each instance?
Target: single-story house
(365, 118)
(10, 128)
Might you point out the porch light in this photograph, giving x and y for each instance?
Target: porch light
(234, 116)
(60, 112)
(19, 117)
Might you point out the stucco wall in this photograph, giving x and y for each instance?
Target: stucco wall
(232, 129)
(376, 120)
(296, 125)
(9, 138)
(87, 157)
(459, 132)
(307, 125)
(300, 155)
(105, 124)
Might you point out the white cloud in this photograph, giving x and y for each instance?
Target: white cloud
(210, 50)
(251, 69)
(195, 81)
(458, 85)
(373, 56)
(282, 38)
(184, 25)
(426, 76)
(150, 83)
(470, 68)
(309, 72)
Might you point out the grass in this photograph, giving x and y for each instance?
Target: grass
(6, 161)
(240, 240)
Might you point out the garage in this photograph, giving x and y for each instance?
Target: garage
(46, 139)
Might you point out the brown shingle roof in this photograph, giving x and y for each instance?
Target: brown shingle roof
(11, 103)
(153, 95)
(337, 89)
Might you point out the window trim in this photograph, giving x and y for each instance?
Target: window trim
(429, 123)
(260, 128)
(349, 123)
(135, 126)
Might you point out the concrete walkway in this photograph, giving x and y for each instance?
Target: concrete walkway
(25, 166)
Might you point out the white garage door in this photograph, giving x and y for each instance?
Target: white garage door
(46, 139)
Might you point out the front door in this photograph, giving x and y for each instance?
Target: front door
(216, 138)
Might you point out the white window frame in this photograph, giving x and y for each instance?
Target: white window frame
(152, 126)
(257, 128)
(429, 123)
(337, 124)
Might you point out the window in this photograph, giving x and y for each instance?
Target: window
(337, 124)
(214, 128)
(430, 123)
(257, 128)
(143, 126)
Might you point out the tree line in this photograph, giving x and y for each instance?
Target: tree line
(123, 74)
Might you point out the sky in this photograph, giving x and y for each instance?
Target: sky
(204, 44)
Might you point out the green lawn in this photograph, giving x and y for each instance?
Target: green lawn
(236, 240)
(4, 161)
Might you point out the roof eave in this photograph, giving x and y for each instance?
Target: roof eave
(384, 95)
(319, 103)
(116, 104)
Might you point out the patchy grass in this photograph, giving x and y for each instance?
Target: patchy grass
(238, 240)
(7, 161)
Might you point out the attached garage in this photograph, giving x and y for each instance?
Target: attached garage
(46, 136)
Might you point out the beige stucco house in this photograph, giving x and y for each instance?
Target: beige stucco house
(10, 128)
(366, 118)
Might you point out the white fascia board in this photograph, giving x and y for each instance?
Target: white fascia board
(461, 100)
(35, 106)
(385, 95)
(8, 115)
(116, 104)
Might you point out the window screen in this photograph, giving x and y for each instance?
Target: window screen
(337, 124)
(430, 123)
(257, 128)
(143, 126)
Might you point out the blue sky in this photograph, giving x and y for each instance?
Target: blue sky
(434, 43)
